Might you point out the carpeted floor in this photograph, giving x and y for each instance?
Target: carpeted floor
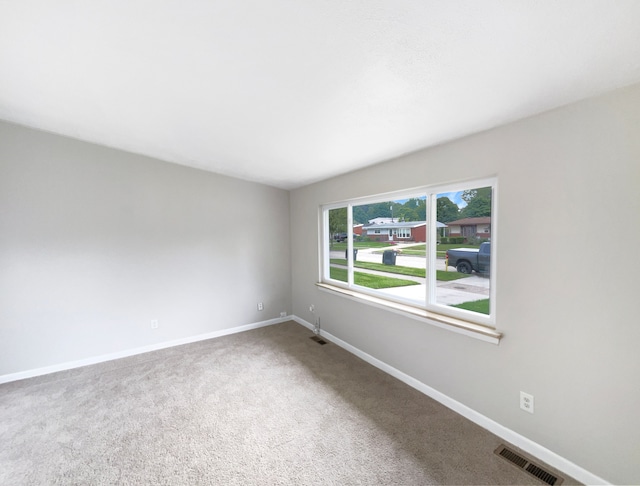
(267, 406)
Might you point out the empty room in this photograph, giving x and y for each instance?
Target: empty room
(322, 242)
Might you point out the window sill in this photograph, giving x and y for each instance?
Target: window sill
(445, 322)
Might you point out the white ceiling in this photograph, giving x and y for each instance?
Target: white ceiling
(289, 92)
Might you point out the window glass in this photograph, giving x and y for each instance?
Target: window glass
(464, 249)
(429, 248)
(338, 242)
(379, 262)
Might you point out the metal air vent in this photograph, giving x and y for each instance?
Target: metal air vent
(527, 466)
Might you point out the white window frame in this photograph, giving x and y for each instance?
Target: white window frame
(430, 308)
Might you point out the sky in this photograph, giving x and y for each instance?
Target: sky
(456, 197)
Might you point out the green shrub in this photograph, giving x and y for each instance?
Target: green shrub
(476, 241)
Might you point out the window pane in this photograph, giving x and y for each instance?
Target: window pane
(466, 280)
(390, 241)
(338, 244)
(399, 249)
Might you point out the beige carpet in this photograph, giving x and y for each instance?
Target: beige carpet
(268, 406)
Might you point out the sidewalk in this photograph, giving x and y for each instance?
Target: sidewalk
(472, 288)
(444, 294)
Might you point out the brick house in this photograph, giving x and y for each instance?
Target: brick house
(403, 231)
(468, 227)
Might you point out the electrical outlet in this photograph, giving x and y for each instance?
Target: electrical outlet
(526, 402)
(260, 306)
(154, 323)
(312, 308)
(283, 314)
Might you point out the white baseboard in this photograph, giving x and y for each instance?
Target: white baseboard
(527, 445)
(132, 352)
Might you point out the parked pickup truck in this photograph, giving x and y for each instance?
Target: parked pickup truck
(467, 260)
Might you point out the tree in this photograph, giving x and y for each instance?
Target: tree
(337, 221)
(412, 210)
(360, 215)
(366, 212)
(447, 210)
(478, 203)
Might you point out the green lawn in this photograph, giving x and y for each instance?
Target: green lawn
(440, 249)
(334, 246)
(415, 250)
(414, 272)
(481, 306)
(368, 280)
(379, 282)
(418, 250)
(449, 276)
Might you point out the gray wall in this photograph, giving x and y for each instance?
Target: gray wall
(95, 242)
(567, 277)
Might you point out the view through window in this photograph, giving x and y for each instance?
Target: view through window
(429, 248)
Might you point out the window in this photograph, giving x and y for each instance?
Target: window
(409, 257)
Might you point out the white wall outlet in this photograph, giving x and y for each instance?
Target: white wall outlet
(154, 324)
(312, 308)
(283, 314)
(526, 402)
(260, 306)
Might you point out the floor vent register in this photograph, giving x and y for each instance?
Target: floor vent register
(529, 467)
(318, 339)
